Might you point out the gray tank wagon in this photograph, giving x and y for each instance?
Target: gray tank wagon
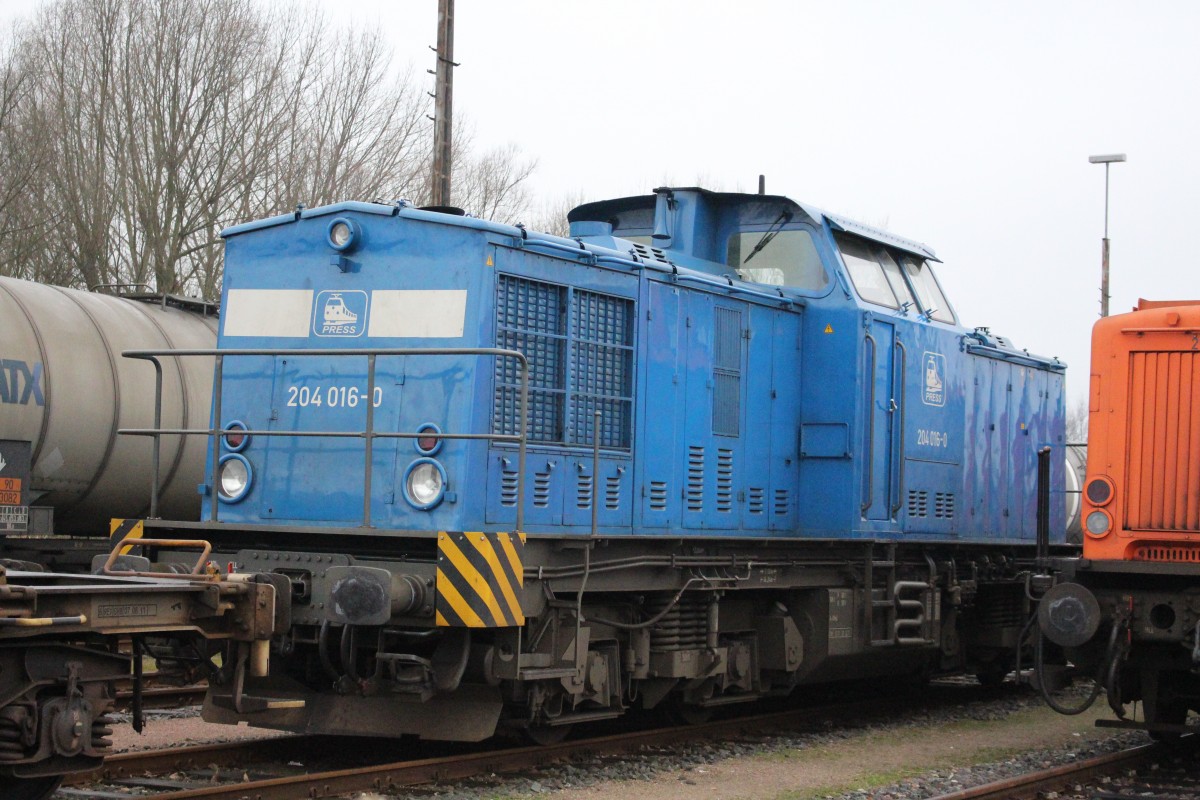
(66, 389)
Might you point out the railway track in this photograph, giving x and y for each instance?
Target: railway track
(1124, 775)
(278, 768)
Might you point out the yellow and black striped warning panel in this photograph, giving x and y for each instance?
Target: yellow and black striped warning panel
(121, 529)
(479, 579)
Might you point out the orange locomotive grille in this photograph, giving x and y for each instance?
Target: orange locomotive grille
(1159, 552)
(1163, 491)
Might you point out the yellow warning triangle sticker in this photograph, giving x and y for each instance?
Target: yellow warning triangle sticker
(489, 261)
(828, 328)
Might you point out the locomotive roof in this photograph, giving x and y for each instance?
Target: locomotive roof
(603, 210)
(608, 210)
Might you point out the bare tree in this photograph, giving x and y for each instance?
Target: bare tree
(1077, 422)
(135, 130)
(551, 217)
(493, 185)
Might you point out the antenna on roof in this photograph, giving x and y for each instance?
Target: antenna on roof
(762, 184)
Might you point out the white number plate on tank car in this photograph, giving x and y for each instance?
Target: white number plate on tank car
(331, 396)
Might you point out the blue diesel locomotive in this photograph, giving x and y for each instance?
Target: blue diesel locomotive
(711, 447)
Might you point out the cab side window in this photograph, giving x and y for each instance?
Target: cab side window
(866, 272)
(920, 275)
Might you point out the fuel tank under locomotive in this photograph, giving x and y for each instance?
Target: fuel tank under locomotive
(66, 389)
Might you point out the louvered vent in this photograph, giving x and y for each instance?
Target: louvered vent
(583, 491)
(1173, 553)
(918, 503)
(724, 480)
(541, 489)
(612, 493)
(783, 501)
(695, 479)
(943, 505)
(658, 495)
(758, 500)
(508, 487)
(650, 253)
(1164, 391)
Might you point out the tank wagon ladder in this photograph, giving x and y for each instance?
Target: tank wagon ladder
(905, 616)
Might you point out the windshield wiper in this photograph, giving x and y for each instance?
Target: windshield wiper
(776, 226)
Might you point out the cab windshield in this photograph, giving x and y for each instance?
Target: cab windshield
(893, 278)
(777, 258)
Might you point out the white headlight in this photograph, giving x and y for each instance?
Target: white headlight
(425, 483)
(233, 478)
(339, 234)
(1097, 523)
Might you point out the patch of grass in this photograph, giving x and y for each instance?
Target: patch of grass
(871, 780)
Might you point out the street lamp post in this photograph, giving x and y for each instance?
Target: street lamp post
(1106, 161)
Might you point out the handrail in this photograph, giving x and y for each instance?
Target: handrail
(898, 503)
(369, 434)
(196, 572)
(870, 463)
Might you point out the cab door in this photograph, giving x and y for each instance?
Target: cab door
(881, 418)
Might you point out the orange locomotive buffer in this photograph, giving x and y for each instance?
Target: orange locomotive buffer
(1141, 498)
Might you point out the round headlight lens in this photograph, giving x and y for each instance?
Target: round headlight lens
(425, 483)
(236, 439)
(1098, 523)
(233, 478)
(1099, 491)
(428, 445)
(341, 234)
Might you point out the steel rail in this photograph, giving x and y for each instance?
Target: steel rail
(389, 776)
(1060, 779)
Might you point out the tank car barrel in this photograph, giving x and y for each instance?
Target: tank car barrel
(74, 392)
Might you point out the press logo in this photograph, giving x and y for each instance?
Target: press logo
(341, 313)
(935, 379)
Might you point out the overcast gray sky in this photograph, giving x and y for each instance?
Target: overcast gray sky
(964, 125)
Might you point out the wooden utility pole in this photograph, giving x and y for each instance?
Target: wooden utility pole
(443, 100)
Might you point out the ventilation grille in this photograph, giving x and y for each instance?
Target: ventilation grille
(580, 350)
(1163, 442)
(727, 371)
(758, 500)
(658, 495)
(943, 505)
(783, 502)
(724, 480)
(508, 487)
(650, 253)
(530, 318)
(1173, 553)
(918, 504)
(601, 367)
(683, 627)
(695, 479)
(612, 492)
(583, 491)
(541, 490)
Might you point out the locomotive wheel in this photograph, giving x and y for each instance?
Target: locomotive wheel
(1160, 704)
(13, 788)
(547, 734)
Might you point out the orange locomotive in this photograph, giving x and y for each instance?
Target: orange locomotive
(1128, 611)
